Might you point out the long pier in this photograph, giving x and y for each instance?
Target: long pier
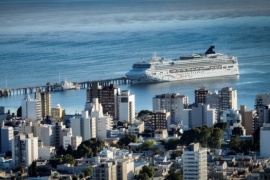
(49, 87)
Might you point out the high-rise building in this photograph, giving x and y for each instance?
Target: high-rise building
(45, 133)
(58, 114)
(84, 126)
(161, 119)
(264, 141)
(173, 103)
(44, 99)
(60, 132)
(126, 106)
(200, 95)
(50, 135)
(24, 150)
(107, 97)
(194, 162)
(213, 99)
(247, 119)
(104, 123)
(6, 135)
(31, 109)
(202, 115)
(105, 171)
(124, 168)
(261, 105)
(73, 141)
(227, 99)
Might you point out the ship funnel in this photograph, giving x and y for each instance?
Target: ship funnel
(210, 50)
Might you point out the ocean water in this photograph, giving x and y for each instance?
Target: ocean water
(92, 40)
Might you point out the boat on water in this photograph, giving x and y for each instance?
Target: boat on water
(194, 66)
(66, 85)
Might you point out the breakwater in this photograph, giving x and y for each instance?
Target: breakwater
(50, 87)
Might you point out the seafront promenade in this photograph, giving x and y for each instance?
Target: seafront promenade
(49, 87)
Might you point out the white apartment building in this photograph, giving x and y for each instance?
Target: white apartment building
(173, 103)
(136, 127)
(84, 126)
(122, 158)
(227, 99)
(26, 127)
(74, 141)
(126, 106)
(46, 152)
(45, 133)
(104, 123)
(75, 124)
(194, 161)
(31, 109)
(202, 115)
(264, 141)
(50, 135)
(24, 150)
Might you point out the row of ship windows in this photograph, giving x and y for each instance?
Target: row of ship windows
(197, 69)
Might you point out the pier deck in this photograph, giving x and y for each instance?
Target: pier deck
(49, 86)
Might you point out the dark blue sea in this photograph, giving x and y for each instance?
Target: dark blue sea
(92, 40)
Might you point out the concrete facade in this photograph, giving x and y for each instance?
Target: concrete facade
(173, 103)
(126, 106)
(194, 162)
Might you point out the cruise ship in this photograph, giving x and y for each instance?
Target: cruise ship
(195, 66)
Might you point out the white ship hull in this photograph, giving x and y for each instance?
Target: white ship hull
(163, 70)
(65, 85)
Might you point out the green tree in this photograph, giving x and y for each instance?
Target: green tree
(235, 143)
(61, 151)
(176, 154)
(206, 136)
(95, 144)
(83, 151)
(68, 159)
(147, 145)
(144, 112)
(81, 176)
(128, 138)
(171, 144)
(174, 175)
(149, 170)
(87, 171)
(221, 125)
(89, 148)
(216, 138)
(69, 150)
(55, 161)
(142, 176)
